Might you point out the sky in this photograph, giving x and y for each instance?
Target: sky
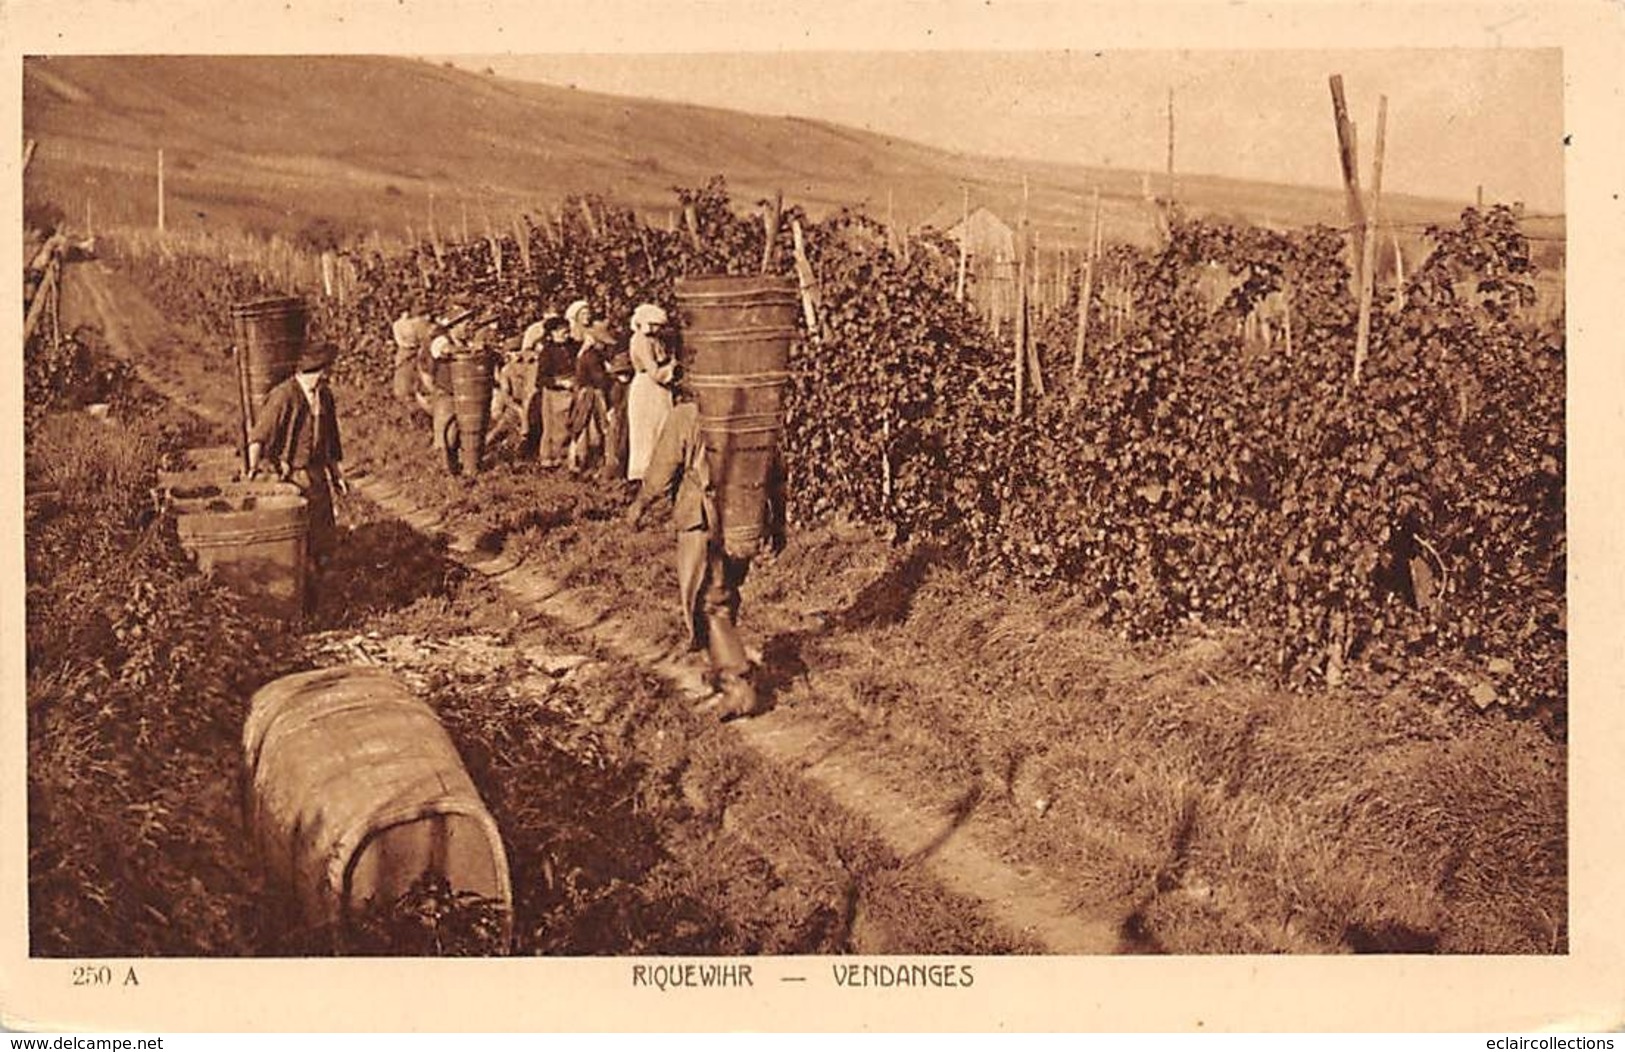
(1457, 118)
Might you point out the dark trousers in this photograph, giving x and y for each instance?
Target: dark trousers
(321, 536)
(708, 583)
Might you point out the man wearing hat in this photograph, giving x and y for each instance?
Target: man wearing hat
(297, 430)
(555, 375)
(589, 413)
(450, 340)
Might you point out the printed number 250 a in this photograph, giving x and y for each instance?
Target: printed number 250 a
(92, 975)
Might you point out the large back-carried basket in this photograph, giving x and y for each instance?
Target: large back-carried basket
(270, 335)
(737, 332)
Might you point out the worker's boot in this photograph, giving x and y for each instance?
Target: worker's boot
(739, 697)
(728, 658)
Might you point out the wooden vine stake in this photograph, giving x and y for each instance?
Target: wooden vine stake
(1087, 291)
(691, 219)
(434, 234)
(770, 222)
(1348, 158)
(964, 248)
(891, 224)
(1021, 305)
(1368, 268)
(1286, 308)
(592, 220)
(521, 237)
(1399, 273)
(806, 279)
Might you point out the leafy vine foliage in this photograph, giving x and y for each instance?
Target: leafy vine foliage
(1412, 522)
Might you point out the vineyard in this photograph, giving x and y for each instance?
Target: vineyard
(1411, 525)
(1264, 659)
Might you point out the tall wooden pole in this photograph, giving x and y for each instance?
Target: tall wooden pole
(964, 248)
(1170, 146)
(1021, 302)
(1362, 339)
(1036, 251)
(1348, 158)
(160, 191)
(1087, 291)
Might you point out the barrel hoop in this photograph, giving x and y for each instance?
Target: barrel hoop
(740, 538)
(282, 533)
(289, 305)
(355, 839)
(776, 379)
(716, 426)
(760, 334)
(772, 293)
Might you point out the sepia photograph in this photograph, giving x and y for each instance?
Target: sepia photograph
(875, 514)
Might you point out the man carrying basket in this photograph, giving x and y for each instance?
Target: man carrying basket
(710, 569)
(297, 429)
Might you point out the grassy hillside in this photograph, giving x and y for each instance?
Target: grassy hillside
(373, 143)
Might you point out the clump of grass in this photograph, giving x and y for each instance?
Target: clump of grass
(139, 671)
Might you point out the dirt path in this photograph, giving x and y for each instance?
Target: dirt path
(934, 828)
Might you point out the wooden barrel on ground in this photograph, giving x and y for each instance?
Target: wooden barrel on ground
(355, 791)
(737, 332)
(255, 544)
(184, 492)
(270, 335)
(214, 471)
(471, 398)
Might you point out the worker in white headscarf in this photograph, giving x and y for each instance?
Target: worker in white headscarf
(649, 399)
(579, 315)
